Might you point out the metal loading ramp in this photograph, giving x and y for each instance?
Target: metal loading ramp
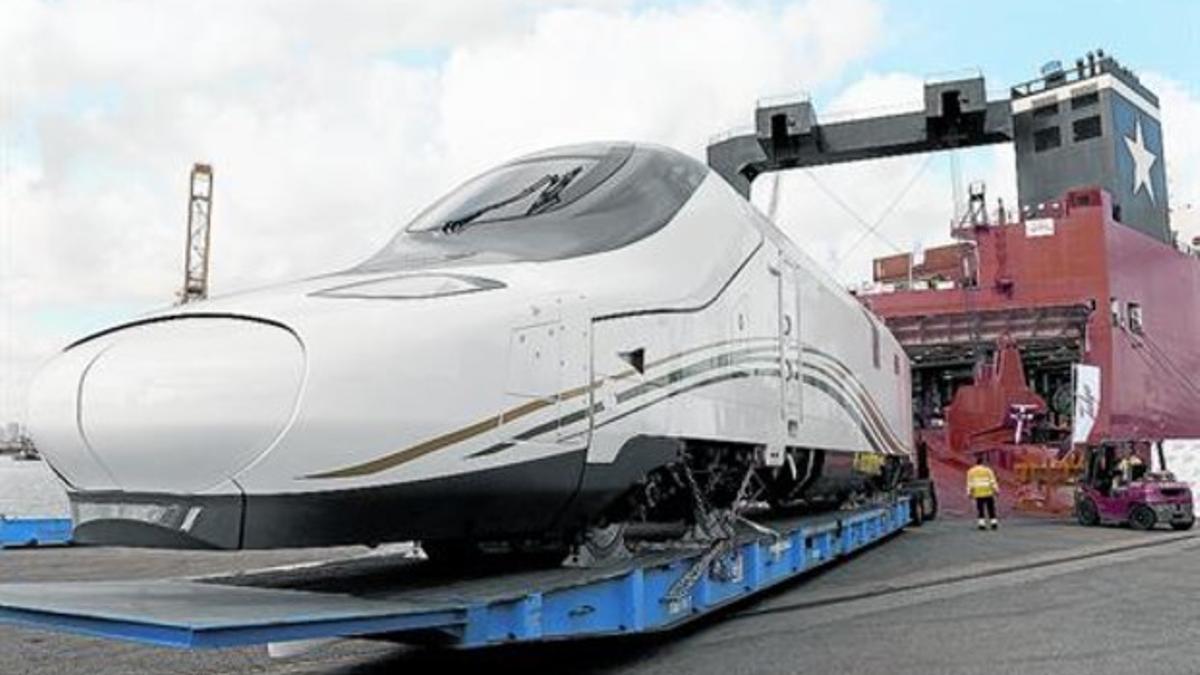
(412, 601)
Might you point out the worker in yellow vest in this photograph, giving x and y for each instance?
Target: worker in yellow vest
(983, 488)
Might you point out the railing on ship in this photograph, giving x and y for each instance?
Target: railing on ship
(964, 230)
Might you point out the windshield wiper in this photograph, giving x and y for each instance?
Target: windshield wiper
(457, 224)
(550, 195)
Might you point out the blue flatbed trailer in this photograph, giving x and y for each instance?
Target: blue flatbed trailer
(25, 532)
(408, 599)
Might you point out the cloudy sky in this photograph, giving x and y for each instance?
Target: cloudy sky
(330, 124)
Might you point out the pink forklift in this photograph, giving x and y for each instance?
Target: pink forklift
(1143, 499)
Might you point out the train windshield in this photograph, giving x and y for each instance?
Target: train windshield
(561, 203)
(520, 190)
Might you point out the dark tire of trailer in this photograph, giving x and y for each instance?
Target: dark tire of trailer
(923, 501)
(919, 487)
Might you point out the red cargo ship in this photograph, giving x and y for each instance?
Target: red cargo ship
(998, 323)
(1067, 324)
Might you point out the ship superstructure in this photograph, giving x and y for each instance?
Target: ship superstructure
(1066, 321)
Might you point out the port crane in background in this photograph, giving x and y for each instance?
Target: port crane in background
(199, 234)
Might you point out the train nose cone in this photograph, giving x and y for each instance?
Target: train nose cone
(183, 405)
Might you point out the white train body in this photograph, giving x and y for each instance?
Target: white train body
(498, 377)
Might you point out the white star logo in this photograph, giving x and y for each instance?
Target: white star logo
(1143, 161)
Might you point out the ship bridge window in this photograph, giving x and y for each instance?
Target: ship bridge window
(1135, 317)
(1046, 139)
(1086, 128)
(553, 205)
(1046, 111)
(1085, 100)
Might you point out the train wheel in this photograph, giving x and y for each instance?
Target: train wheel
(1185, 525)
(1087, 513)
(1142, 517)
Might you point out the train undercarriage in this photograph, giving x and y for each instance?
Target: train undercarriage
(705, 495)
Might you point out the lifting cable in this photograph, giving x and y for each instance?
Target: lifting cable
(1161, 357)
(871, 228)
(1152, 358)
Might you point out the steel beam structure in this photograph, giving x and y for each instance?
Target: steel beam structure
(199, 235)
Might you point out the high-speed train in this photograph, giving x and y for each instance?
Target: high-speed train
(582, 336)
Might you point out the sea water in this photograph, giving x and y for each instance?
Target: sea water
(29, 490)
(1183, 460)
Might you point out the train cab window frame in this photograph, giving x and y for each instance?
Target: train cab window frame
(522, 189)
(622, 194)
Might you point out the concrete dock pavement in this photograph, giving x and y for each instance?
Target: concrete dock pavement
(1036, 596)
